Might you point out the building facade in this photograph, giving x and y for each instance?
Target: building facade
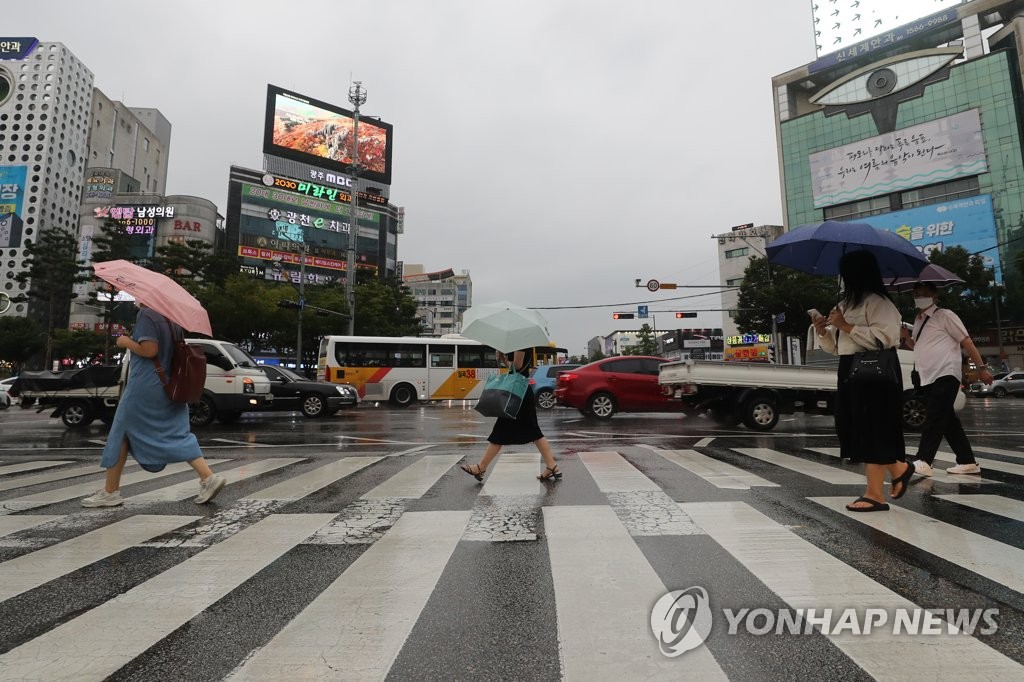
(441, 297)
(135, 141)
(735, 249)
(45, 101)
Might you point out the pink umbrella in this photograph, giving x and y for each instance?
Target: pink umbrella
(157, 291)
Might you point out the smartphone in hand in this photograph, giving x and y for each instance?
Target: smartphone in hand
(815, 315)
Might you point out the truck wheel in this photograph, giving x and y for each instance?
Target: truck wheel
(77, 414)
(601, 405)
(760, 413)
(914, 411)
(202, 413)
(545, 399)
(403, 395)
(314, 405)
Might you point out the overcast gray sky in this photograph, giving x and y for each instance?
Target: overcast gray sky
(557, 150)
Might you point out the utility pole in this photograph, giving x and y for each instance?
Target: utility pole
(357, 96)
(302, 305)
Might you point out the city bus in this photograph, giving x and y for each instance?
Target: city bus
(404, 369)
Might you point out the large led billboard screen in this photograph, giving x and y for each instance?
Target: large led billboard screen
(319, 134)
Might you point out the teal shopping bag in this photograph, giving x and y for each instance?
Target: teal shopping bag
(503, 395)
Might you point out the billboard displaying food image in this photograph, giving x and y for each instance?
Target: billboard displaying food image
(321, 134)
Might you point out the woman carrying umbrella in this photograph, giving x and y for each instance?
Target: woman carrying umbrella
(868, 416)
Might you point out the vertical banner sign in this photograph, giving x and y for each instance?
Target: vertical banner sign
(12, 195)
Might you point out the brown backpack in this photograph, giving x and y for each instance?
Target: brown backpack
(188, 371)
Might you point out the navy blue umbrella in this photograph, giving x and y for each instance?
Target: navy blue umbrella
(816, 249)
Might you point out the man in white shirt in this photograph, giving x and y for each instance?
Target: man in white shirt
(937, 338)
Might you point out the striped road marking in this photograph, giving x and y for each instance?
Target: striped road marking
(32, 466)
(415, 480)
(937, 473)
(994, 560)
(14, 524)
(614, 474)
(806, 577)
(99, 642)
(187, 489)
(38, 479)
(604, 590)
(514, 473)
(297, 487)
(381, 596)
(717, 473)
(949, 458)
(822, 472)
(993, 504)
(29, 571)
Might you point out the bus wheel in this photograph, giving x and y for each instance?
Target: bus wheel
(403, 395)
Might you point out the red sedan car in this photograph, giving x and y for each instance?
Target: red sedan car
(625, 383)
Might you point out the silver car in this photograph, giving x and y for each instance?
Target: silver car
(1011, 383)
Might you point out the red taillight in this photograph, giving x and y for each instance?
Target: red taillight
(532, 382)
(566, 377)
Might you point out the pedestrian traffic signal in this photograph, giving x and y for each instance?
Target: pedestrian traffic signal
(686, 314)
(288, 304)
(623, 316)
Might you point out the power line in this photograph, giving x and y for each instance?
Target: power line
(613, 305)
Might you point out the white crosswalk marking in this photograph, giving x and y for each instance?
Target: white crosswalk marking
(949, 459)
(13, 524)
(187, 489)
(822, 472)
(993, 504)
(992, 559)
(604, 589)
(32, 570)
(32, 466)
(998, 451)
(717, 473)
(612, 473)
(938, 473)
(50, 477)
(97, 643)
(300, 486)
(414, 480)
(807, 577)
(514, 473)
(381, 595)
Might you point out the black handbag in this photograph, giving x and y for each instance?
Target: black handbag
(880, 366)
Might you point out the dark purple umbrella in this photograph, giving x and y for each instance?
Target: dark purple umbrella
(816, 249)
(932, 273)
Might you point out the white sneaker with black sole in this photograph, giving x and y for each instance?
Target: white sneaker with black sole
(101, 498)
(209, 488)
(923, 468)
(964, 469)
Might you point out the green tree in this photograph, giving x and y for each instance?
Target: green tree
(973, 301)
(766, 292)
(596, 355)
(21, 338)
(244, 311)
(385, 308)
(53, 270)
(79, 344)
(646, 343)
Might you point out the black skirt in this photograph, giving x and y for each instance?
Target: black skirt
(869, 419)
(523, 429)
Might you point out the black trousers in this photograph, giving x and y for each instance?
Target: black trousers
(941, 420)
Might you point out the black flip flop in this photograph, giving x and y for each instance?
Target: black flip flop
(903, 478)
(875, 505)
(478, 474)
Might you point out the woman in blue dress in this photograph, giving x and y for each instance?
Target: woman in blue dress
(147, 424)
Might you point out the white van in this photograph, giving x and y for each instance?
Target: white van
(234, 384)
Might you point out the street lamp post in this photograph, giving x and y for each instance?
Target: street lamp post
(302, 304)
(357, 96)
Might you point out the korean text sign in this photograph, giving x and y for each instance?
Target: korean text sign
(12, 196)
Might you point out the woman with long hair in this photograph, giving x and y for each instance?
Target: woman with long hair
(868, 417)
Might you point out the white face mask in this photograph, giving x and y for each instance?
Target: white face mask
(923, 303)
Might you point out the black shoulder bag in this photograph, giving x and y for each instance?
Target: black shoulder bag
(875, 367)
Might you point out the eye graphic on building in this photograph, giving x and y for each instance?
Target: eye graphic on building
(886, 76)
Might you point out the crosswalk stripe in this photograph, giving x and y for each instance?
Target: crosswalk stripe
(87, 648)
(31, 570)
(990, 558)
(805, 576)
(613, 473)
(50, 477)
(937, 473)
(414, 480)
(14, 524)
(187, 489)
(32, 466)
(297, 487)
(717, 473)
(82, 489)
(999, 451)
(822, 472)
(240, 442)
(993, 504)
(985, 463)
(514, 473)
(381, 596)
(604, 589)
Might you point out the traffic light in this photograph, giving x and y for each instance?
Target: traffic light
(288, 304)
(686, 315)
(623, 316)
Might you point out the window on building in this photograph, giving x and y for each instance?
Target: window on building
(145, 144)
(734, 282)
(737, 253)
(859, 209)
(936, 194)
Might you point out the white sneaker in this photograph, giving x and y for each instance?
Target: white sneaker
(923, 468)
(209, 488)
(103, 499)
(964, 469)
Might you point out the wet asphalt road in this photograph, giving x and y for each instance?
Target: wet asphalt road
(497, 604)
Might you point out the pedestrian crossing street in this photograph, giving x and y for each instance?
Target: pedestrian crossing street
(375, 566)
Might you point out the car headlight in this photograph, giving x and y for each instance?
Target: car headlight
(345, 390)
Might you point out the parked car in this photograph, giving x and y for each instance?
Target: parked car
(313, 398)
(542, 380)
(5, 396)
(625, 383)
(1011, 383)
